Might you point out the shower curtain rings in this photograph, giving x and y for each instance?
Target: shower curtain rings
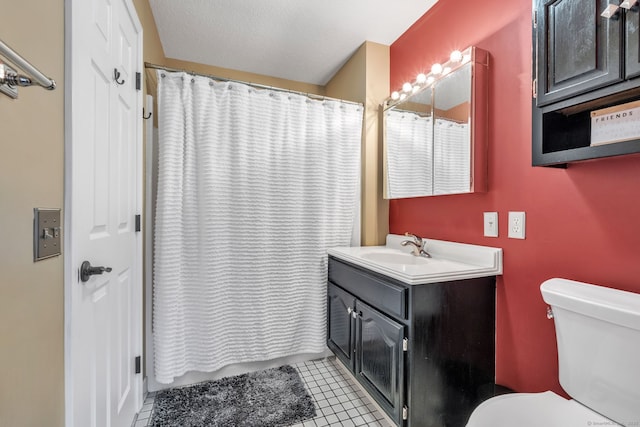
(116, 76)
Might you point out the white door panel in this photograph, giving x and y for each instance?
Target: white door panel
(103, 196)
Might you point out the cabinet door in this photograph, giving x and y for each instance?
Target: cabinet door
(380, 358)
(632, 43)
(577, 50)
(340, 336)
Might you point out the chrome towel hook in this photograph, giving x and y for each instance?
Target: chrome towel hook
(116, 76)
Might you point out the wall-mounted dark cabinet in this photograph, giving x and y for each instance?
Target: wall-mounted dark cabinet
(425, 353)
(582, 62)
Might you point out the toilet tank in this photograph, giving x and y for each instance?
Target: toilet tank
(598, 336)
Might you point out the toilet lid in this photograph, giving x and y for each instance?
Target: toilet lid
(545, 409)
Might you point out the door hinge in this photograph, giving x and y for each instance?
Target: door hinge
(405, 412)
(405, 344)
(138, 81)
(138, 223)
(534, 88)
(535, 19)
(138, 364)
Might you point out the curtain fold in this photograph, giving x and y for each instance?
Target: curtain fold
(253, 187)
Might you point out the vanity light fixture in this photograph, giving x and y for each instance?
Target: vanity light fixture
(456, 60)
(456, 56)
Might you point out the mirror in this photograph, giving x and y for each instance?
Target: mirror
(435, 134)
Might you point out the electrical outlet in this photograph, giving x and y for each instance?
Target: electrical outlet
(491, 224)
(517, 225)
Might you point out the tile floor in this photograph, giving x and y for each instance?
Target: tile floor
(338, 400)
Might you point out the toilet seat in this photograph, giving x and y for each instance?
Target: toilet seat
(546, 409)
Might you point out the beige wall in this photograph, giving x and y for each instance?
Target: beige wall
(152, 47)
(365, 78)
(31, 175)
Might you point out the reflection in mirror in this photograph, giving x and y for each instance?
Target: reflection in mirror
(435, 130)
(409, 141)
(452, 155)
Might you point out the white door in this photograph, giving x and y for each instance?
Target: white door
(103, 193)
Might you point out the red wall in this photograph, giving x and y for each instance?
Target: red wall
(583, 222)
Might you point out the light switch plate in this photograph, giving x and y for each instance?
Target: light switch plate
(491, 224)
(47, 233)
(517, 225)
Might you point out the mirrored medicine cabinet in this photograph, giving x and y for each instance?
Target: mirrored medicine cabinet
(435, 130)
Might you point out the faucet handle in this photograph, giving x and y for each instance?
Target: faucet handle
(416, 238)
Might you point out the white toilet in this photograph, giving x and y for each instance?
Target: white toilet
(598, 335)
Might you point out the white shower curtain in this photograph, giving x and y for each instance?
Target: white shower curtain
(253, 187)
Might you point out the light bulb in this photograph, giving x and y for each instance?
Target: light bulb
(407, 87)
(421, 78)
(456, 56)
(415, 89)
(395, 95)
(436, 69)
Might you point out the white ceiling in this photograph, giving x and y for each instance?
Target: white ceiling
(302, 40)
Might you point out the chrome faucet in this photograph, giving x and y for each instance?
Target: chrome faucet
(418, 245)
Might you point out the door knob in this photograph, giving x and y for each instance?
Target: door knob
(87, 270)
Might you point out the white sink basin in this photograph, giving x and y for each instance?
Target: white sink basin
(395, 257)
(449, 260)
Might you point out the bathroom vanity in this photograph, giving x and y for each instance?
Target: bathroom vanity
(417, 333)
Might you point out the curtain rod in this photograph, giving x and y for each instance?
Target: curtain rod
(255, 85)
(24, 65)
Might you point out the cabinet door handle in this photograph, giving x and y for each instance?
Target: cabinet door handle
(354, 314)
(611, 12)
(349, 310)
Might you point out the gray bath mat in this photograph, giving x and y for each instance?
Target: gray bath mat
(270, 398)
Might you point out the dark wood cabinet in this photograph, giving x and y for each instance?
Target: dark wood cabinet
(380, 358)
(632, 43)
(582, 62)
(577, 49)
(340, 330)
(425, 353)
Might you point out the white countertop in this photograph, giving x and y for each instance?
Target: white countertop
(449, 260)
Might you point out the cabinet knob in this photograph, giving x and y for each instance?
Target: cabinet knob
(354, 314)
(349, 310)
